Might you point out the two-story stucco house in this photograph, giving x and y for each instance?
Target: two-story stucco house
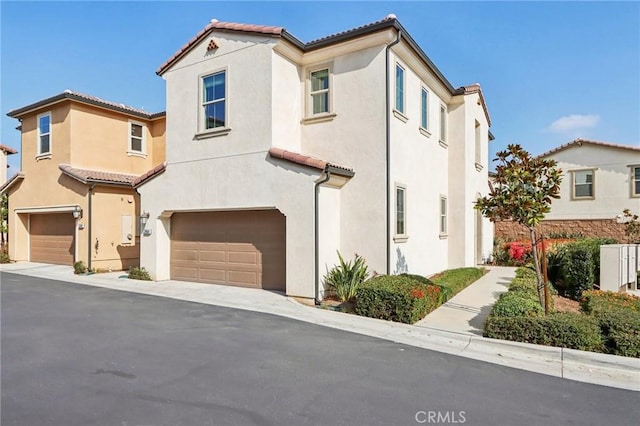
(280, 153)
(74, 197)
(600, 179)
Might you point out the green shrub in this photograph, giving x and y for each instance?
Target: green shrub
(620, 331)
(136, 273)
(344, 279)
(595, 301)
(458, 279)
(566, 330)
(517, 303)
(79, 267)
(396, 298)
(4, 257)
(525, 272)
(445, 292)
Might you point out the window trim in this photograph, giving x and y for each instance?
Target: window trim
(632, 181)
(401, 111)
(443, 233)
(400, 237)
(593, 184)
(478, 146)
(309, 114)
(39, 153)
(143, 143)
(202, 132)
(424, 109)
(442, 136)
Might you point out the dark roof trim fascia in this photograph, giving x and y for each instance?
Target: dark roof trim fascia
(17, 113)
(339, 171)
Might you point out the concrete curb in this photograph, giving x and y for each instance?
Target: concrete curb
(602, 369)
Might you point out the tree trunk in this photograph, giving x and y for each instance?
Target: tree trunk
(536, 265)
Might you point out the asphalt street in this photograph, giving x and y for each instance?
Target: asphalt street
(80, 355)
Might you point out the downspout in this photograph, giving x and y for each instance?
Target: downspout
(316, 214)
(388, 142)
(90, 215)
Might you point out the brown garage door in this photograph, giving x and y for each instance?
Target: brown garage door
(52, 238)
(241, 248)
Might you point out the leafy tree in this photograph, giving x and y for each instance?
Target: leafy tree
(4, 213)
(523, 189)
(631, 226)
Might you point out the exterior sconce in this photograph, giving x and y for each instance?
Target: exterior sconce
(144, 218)
(77, 213)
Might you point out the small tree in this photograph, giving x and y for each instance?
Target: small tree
(631, 226)
(4, 213)
(523, 189)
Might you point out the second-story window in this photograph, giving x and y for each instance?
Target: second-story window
(136, 138)
(399, 88)
(214, 100)
(635, 181)
(583, 184)
(478, 146)
(44, 134)
(443, 124)
(319, 91)
(424, 110)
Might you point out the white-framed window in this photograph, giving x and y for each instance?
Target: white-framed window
(424, 109)
(399, 88)
(137, 138)
(443, 216)
(44, 134)
(635, 181)
(479, 165)
(443, 124)
(214, 101)
(401, 213)
(583, 184)
(320, 91)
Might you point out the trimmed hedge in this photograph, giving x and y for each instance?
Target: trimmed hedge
(445, 292)
(457, 279)
(517, 303)
(396, 298)
(598, 301)
(566, 330)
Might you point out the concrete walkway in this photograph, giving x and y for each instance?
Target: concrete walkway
(466, 312)
(452, 329)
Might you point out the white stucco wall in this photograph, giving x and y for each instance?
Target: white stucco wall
(612, 182)
(3, 167)
(419, 163)
(329, 232)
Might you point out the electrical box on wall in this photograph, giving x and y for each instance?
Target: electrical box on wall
(146, 232)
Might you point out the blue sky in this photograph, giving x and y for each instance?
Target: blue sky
(550, 71)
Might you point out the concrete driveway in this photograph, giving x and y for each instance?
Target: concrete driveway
(80, 355)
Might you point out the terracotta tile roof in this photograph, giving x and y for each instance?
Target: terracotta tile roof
(341, 34)
(92, 100)
(97, 176)
(222, 27)
(306, 160)
(475, 88)
(140, 180)
(580, 142)
(7, 149)
(8, 184)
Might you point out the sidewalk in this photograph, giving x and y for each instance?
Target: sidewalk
(453, 329)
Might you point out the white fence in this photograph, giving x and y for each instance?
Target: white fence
(619, 266)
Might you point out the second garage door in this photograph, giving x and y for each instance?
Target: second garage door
(241, 248)
(52, 238)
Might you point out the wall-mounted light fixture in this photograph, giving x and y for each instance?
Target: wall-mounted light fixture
(77, 213)
(144, 218)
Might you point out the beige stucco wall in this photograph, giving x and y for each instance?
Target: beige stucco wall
(3, 167)
(612, 182)
(85, 137)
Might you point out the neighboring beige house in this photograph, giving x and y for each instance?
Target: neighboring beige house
(74, 197)
(600, 180)
(5, 151)
(280, 153)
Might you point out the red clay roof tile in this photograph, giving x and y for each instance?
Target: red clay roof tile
(580, 142)
(307, 160)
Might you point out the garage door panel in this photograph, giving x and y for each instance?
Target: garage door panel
(188, 274)
(233, 247)
(51, 238)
